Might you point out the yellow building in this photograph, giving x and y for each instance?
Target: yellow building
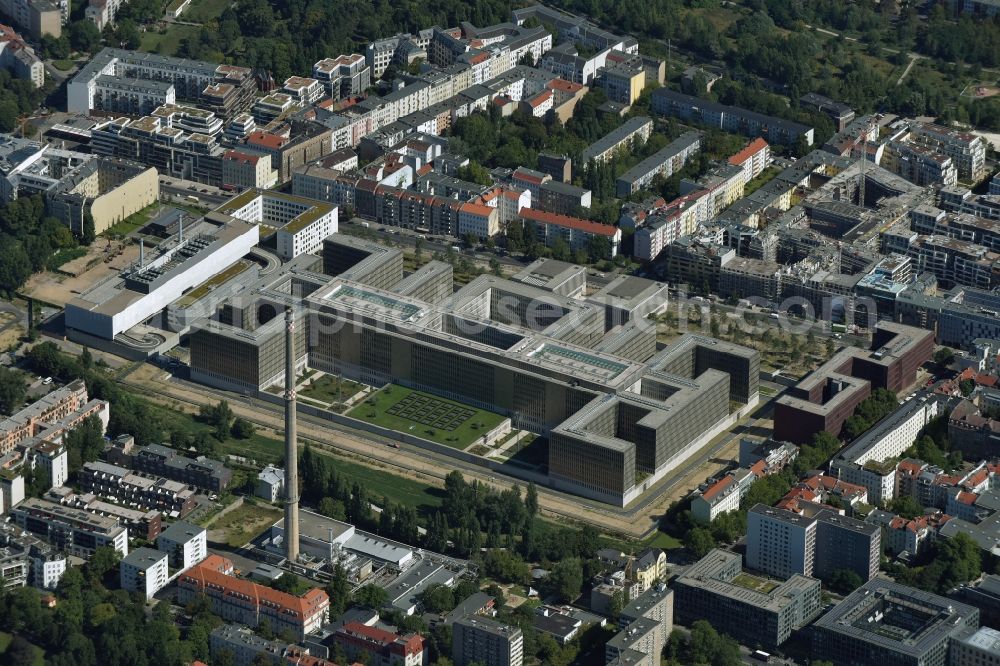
(110, 189)
(623, 83)
(650, 567)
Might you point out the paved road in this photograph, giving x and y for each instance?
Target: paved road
(207, 194)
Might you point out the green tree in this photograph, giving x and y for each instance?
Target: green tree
(531, 500)
(437, 599)
(13, 390)
(332, 508)
(242, 429)
(339, 591)
(699, 541)
(944, 356)
(104, 559)
(566, 578)
(371, 596)
(84, 36)
(844, 581)
(906, 506)
(88, 235)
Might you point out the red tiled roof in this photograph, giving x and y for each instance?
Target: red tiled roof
(966, 498)
(266, 140)
(586, 226)
(237, 156)
(410, 644)
(477, 209)
(527, 176)
(564, 85)
(213, 572)
(717, 488)
(540, 98)
(752, 149)
(759, 467)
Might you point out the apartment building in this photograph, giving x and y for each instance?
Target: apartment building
(640, 642)
(840, 114)
(144, 571)
(729, 118)
(132, 83)
(634, 130)
(19, 58)
(622, 82)
(303, 142)
(343, 76)
(861, 462)
(120, 485)
(918, 164)
(956, 262)
(140, 523)
(782, 543)
(37, 17)
(967, 150)
(242, 170)
(244, 602)
(383, 648)
(722, 496)
(478, 220)
(205, 473)
(562, 198)
(573, 231)
(479, 640)
(171, 151)
(564, 61)
(185, 544)
(706, 591)
(74, 531)
(664, 163)
(753, 159)
(103, 12)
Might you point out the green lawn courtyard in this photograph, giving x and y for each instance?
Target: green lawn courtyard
(428, 416)
(328, 389)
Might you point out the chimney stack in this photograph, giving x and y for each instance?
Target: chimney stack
(291, 450)
(142, 253)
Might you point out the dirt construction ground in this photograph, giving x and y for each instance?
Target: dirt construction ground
(58, 289)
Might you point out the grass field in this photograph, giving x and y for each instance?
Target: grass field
(203, 11)
(168, 42)
(63, 65)
(424, 415)
(132, 222)
(245, 522)
(326, 389)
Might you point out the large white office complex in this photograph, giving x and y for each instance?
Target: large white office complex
(118, 303)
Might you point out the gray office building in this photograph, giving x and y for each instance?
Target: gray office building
(884, 622)
(708, 591)
(619, 414)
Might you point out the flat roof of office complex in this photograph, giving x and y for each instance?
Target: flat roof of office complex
(895, 617)
(708, 574)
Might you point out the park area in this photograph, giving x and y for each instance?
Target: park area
(427, 416)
